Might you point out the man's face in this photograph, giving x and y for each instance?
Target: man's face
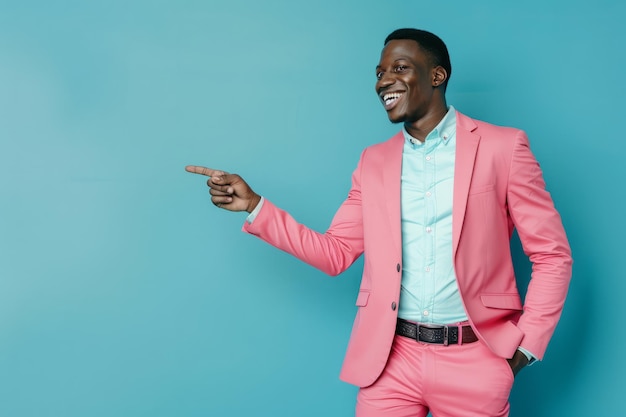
(405, 81)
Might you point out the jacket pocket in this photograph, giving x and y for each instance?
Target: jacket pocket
(361, 300)
(502, 301)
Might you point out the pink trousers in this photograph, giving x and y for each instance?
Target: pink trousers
(449, 381)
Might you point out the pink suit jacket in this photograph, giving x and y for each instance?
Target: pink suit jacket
(498, 185)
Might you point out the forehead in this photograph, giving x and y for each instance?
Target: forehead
(403, 49)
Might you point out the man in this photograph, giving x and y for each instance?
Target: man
(440, 325)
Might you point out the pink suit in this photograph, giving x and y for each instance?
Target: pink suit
(498, 185)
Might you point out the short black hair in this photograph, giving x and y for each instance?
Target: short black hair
(430, 43)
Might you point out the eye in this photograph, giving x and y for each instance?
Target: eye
(400, 68)
(379, 75)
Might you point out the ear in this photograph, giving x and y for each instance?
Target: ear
(440, 75)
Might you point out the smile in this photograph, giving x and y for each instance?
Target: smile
(390, 99)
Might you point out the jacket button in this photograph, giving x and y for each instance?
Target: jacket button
(398, 267)
(393, 306)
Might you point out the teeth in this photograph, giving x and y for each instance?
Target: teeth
(391, 97)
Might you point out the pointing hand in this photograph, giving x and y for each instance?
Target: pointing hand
(228, 191)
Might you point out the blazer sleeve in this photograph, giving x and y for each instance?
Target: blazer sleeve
(333, 251)
(544, 241)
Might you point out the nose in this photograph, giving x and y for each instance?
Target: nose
(384, 81)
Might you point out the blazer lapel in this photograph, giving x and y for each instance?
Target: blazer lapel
(392, 173)
(466, 147)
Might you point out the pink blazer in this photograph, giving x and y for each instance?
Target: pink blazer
(498, 185)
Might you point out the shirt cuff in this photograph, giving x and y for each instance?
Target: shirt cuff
(255, 212)
(531, 358)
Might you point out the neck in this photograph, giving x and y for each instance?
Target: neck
(420, 128)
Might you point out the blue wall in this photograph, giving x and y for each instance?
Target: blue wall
(124, 292)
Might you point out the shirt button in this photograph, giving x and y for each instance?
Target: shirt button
(426, 313)
(393, 306)
(398, 267)
(428, 158)
(428, 230)
(427, 269)
(428, 193)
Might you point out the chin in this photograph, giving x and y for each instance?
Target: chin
(396, 119)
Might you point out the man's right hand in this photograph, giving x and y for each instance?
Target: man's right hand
(228, 191)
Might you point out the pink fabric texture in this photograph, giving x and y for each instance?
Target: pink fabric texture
(450, 381)
(498, 185)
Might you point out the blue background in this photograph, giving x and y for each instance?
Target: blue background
(124, 292)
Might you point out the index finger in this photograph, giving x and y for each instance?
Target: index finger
(209, 172)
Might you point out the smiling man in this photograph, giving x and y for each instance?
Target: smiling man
(440, 325)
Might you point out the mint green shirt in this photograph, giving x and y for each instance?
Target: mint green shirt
(429, 292)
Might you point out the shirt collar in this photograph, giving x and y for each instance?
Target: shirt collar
(444, 130)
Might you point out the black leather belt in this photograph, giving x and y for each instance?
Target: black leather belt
(442, 335)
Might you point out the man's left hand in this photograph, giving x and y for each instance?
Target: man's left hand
(517, 362)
